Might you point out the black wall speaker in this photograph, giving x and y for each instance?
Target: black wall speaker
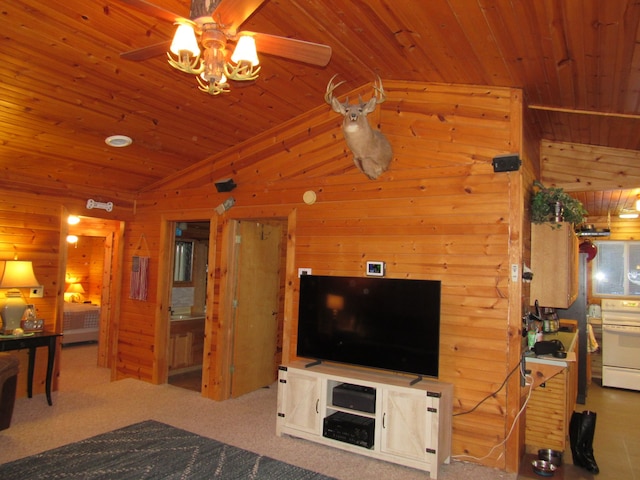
(225, 185)
(506, 163)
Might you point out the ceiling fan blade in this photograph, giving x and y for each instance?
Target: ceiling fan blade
(308, 52)
(147, 52)
(232, 13)
(153, 10)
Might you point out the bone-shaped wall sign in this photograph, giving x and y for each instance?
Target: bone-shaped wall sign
(91, 203)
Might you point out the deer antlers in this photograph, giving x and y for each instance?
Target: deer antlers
(377, 87)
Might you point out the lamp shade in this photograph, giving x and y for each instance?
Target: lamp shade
(75, 288)
(185, 40)
(15, 274)
(18, 274)
(246, 51)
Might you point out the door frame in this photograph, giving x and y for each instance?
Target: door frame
(216, 361)
(165, 283)
(113, 234)
(219, 334)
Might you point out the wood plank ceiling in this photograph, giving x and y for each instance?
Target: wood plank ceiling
(64, 87)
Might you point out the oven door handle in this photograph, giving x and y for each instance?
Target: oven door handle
(621, 329)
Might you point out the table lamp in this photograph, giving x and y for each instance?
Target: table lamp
(15, 274)
(75, 292)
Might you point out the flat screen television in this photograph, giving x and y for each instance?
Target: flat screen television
(384, 323)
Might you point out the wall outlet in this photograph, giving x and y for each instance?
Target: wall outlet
(304, 271)
(36, 292)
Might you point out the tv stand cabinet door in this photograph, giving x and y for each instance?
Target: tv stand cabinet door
(300, 407)
(410, 425)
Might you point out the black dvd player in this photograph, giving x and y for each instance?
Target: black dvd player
(349, 428)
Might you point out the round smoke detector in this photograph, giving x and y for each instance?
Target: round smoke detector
(118, 141)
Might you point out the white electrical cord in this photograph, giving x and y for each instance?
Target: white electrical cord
(527, 378)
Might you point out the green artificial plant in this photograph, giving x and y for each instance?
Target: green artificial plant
(544, 201)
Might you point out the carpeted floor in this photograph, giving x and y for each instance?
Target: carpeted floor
(87, 404)
(152, 450)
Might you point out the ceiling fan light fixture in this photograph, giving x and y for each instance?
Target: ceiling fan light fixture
(245, 51)
(213, 65)
(638, 203)
(184, 41)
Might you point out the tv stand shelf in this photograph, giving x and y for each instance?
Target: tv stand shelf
(382, 415)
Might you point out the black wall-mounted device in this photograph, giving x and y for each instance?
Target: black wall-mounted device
(225, 185)
(506, 163)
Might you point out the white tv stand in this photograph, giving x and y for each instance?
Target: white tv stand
(411, 421)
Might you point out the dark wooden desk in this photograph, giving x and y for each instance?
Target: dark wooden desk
(40, 339)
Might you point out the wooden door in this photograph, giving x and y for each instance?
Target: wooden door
(256, 299)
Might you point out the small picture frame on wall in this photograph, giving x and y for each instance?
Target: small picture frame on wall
(375, 269)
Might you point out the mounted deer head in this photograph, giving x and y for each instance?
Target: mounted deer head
(371, 149)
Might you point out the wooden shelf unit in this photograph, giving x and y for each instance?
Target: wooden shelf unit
(412, 423)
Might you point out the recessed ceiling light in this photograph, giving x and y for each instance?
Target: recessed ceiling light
(118, 141)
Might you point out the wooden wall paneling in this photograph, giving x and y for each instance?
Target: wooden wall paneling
(572, 167)
(34, 226)
(443, 215)
(516, 198)
(210, 364)
(140, 321)
(30, 230)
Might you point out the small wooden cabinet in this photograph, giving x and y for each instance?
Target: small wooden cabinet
(554, 263)
(409, 425)
(186, 344)
(553, 401)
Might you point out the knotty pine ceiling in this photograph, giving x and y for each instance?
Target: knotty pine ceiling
(64, 87)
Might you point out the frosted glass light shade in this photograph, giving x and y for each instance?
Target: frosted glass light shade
(246, 51)
(185, 40)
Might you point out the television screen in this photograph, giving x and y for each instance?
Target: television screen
(386, 323)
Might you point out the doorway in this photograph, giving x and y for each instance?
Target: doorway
(187, 313)
(92, 271)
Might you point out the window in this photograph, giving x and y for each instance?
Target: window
(183, 262)
(616, 269)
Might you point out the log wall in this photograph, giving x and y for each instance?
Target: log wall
(439, 213)
(33, 227)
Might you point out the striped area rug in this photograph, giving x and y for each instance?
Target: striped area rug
(152, 450)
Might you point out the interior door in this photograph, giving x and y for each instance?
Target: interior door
(256, 300)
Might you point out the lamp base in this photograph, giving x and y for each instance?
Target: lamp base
(12, 311)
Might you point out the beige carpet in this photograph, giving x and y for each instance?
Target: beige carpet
(88, 404)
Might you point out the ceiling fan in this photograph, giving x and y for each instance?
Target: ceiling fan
(216, 22)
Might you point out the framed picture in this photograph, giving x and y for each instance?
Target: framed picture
(375, 269)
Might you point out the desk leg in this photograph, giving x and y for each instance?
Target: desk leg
(32, 362)
(50, 362)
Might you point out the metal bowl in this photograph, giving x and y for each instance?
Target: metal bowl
(543, 468)
(552, 456)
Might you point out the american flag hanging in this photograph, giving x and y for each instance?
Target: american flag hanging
(139, 278)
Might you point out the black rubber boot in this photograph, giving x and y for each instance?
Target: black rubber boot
(587, 433)
(574, 438)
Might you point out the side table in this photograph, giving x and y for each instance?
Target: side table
(33, 341)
